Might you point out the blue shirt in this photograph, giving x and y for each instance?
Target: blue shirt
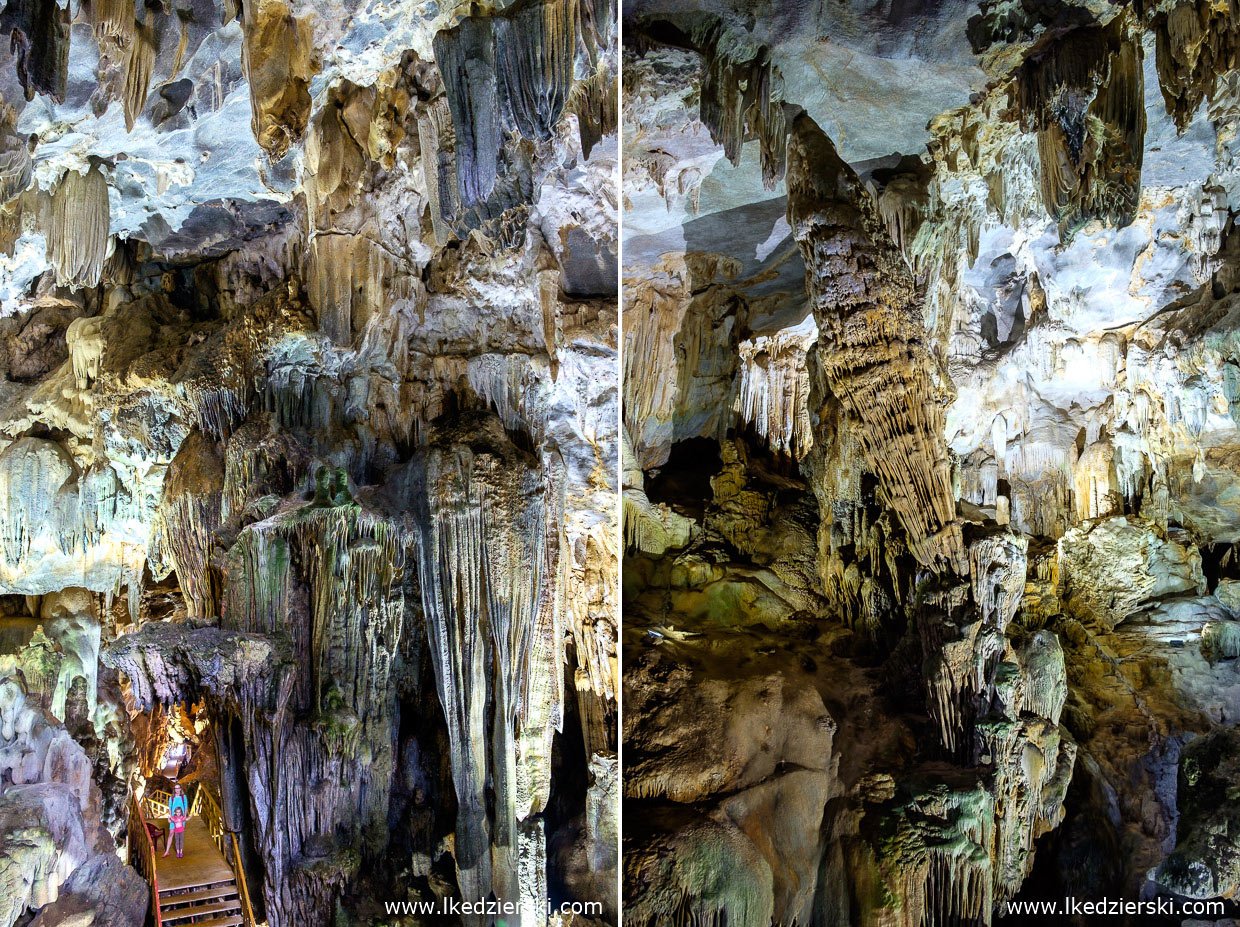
(178, 801)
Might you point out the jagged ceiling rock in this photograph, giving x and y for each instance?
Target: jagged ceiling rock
(844, 63)
(167, 665)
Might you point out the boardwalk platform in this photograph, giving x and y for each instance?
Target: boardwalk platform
(198, 889)
(203, 864)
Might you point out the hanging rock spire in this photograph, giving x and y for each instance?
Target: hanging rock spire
(871, 346)
(534, 43)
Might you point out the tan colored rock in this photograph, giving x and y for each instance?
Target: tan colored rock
(1110, 568)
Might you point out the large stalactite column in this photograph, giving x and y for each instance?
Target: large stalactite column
(485, 579)
(870, 345)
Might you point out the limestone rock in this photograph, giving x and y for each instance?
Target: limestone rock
(244, 310)
(1206, 862)
(1109, 569)
(968, 363)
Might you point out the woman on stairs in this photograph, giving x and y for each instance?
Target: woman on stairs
(178, 812)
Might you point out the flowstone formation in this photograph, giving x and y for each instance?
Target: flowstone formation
(308, 454)
(930, 444)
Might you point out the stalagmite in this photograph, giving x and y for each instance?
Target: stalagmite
(870, 346)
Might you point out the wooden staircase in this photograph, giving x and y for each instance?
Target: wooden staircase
(201, 889)
(215, 905)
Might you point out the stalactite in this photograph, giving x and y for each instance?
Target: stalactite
(139, 65)
(534, 44)
(1196, 41)
(439, 166)
(260, 461)
(962, 630)
(773, 388)
(321, 576)
(486, 591)
(903, 206)
(16, 167)
(349, 278)
(509, 71)
(935, 856)
(511, 386)
(1085, 98)
(503, 216)
(594, 101)
(78, 228)
(113, 19)
(99, 504)
(466, 58)
(38, 33)
(997, 567)
(596, 21)
(85, 341)
(188, 517)
(335, 157)
(278, 61)
(740, 95)
(870, 345)
(32, 471)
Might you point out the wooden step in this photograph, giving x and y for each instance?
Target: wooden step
(223, 890)
(235, 921)
(202, 910)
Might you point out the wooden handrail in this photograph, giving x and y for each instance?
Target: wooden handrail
(157, 802)
(240, 871)
(146, 854)
(207, 805)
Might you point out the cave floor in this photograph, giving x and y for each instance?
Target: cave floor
(202, 864)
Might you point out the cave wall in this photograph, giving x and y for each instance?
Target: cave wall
(928, 322)
(308, 435)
